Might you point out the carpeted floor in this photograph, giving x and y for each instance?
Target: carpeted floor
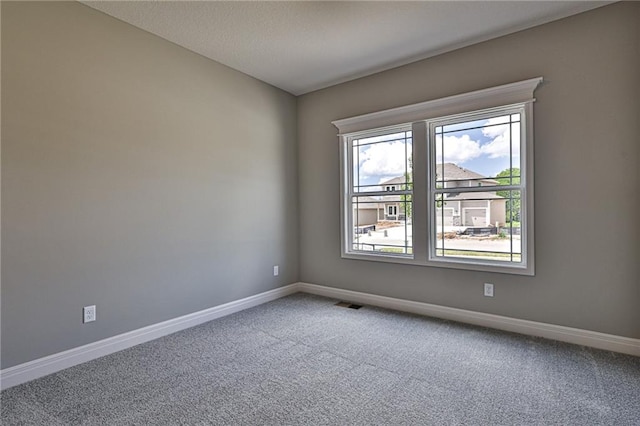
(303, 360)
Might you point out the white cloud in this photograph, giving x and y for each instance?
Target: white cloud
(495, 126)
(384, 159)
(458, 149)
(387, 159)
(502, 140)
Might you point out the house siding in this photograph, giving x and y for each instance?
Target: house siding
(498, 211)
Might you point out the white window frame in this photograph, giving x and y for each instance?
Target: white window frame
(348, 194)
(419, 117)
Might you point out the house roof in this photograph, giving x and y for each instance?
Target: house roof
(368, 200)
(368, 203)
(451, 171)
(377, 202)
(398, 179)
(474, 196)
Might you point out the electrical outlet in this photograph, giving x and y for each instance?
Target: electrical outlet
(276, 270)
(89, 313)
(488, 289)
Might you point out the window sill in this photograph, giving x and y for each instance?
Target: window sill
(488, 266)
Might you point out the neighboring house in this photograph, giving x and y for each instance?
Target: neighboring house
(469, 209)
(368, 211)
(393, 205)
(464, 209)
(371, 210)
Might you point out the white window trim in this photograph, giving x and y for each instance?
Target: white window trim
(518, 93)
(347, 178)
(513, 93)
(526, 150)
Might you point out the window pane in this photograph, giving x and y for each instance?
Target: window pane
(474, 153)
(382, 163)
(479, 225)
(383, 223)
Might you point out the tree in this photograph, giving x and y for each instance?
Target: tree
(510, 177)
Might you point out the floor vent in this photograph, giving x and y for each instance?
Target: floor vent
(348, 305)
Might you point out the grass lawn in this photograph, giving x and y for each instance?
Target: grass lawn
(396, 250)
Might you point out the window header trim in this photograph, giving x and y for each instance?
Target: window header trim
(512, 93)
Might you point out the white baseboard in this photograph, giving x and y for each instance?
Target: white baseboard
(50, 364)
(31, 370)
(576, 336)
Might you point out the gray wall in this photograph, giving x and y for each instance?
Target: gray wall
(587, 186)
(137, 176)
(152, 182)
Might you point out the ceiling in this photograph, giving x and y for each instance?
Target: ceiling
(302, 46)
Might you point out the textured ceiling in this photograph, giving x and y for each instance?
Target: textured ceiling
(307, 45)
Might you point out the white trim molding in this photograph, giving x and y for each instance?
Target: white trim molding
(507, 94)
(576, 336)
(31, 370)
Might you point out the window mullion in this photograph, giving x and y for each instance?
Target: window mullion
(420, 215)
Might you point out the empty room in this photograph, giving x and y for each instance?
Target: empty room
(309, 212)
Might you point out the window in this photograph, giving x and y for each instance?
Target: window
(446, 183)
(379, 195)
(489, 196)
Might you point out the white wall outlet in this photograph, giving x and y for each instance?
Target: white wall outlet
(488, 289)
(89, 313)
(276, 270)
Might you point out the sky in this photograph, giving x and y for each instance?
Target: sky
(486, 149)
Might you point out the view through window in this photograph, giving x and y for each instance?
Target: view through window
(476, 192)
(381, 193)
